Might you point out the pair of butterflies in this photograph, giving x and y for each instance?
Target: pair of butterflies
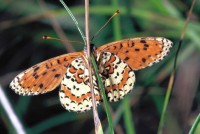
(117, 62)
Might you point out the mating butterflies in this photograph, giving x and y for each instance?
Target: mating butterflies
(117, 62)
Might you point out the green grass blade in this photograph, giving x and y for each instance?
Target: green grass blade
(117, 117)
(194, 129)
(128, 117)
(171, 81)
(129, 125)
(103, 94)
(169, 89)
(74, 19)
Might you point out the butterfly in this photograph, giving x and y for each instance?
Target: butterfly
(116, 61)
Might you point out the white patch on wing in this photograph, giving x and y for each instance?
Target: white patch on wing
(16, 86)
(120, 69)
(77, 89)
(166, 45)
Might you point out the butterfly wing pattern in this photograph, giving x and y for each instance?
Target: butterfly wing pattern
(43, 77)
(117, 62)
(117, 76)
(119, 59)
(139, 53)
(75, 92)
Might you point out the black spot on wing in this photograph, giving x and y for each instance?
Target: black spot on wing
(132, 44)
(127, 58)
(121, 45)
(137, 49)
(57, 75)
(142, 41)
(143, 60)
(58, 61)
(41, 85)
(44, 73)
(47, 66)
(35, 69)
(146, 45)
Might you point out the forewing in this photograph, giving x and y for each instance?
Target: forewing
(75, 92)
(117, 76)
(43, 77)
(139, 53)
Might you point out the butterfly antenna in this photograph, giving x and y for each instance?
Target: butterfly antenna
(105, 24)
(52, 38)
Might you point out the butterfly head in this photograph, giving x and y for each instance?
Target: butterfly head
(92, 48)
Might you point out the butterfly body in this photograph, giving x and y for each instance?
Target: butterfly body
(117, 62)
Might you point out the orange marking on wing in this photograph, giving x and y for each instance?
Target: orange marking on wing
(111, 70)
(125, 77)
(136, 52)
(78, 99)
(111, 60)
(107, 65)
(46, 75)
(121, 84)
(72, 69)
(78, 79)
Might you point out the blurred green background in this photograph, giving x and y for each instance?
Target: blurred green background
(24, 22)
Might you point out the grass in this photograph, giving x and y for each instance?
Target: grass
(194, 129)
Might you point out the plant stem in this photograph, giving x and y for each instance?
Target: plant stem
(103, 94)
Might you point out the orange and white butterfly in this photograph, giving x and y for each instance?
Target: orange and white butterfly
(117, 62)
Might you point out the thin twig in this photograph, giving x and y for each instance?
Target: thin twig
(97, 122)
(98, 128)
(183, 33)
(172, 76)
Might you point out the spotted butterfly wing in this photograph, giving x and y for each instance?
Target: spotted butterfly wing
(139, 53)
(43, 77)
(117, 60)
(117, 76)
(69, 70)
(75, 92)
